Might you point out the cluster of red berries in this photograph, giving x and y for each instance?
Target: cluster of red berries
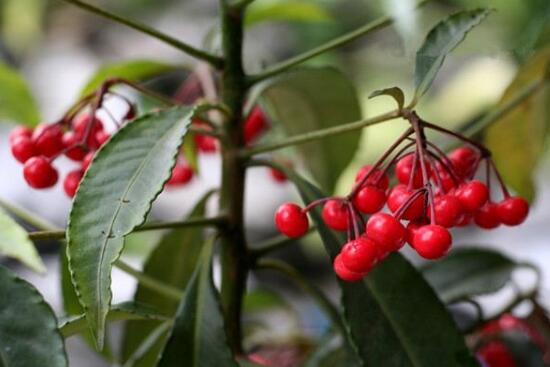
(78, 139)
(434, 192)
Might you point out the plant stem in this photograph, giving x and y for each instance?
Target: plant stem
(234, 253)
(150, 283)
(193, 222)
(275, 244)
(319, 134)
(190, 50)
(330, 45)
(323, 302)
(27, 216)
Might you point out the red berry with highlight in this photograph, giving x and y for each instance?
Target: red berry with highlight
(404, 170)
(336, 214)
(343, 272)
(48, 139)
(387, 231)
(377, 178)
(39, 173)
(360, 255)
(487, 216)
(448, 210)
(464, 160)
(71, 182)
(278, 175)
(255, 125)
(87, 160)
(412, 228)
(369, 199)
(472, 195)
(513, 210)
(72, 151)
(432, 241)
(291, 220)
(20, 131)
(22, 148)
(496, 354)
(181, 174)
(206, 143)
(400, 195)
(101, 138)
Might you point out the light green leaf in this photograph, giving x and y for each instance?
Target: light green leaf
(518, 139)
(14, 242)
(441, 40)
(198, 337)
(28, 328)
(114, 197)
(125, 311)
(395, 92)
(286, 10)
(134, 70)
(171, 262)
(315, 98)
(469, 272)
(17, 104)
(394, 316)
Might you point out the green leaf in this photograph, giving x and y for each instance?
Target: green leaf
(125, 311)
(263, 300)
(14, 242)
(395, 92)
(171, 262)
(286, 10)
(522, 130)
(316, 98)
(16, 101)
(441, 40)
(469, 272)
(134, 70)
(198, 336)
(28, 328)
(394, 316)
(148, 344)
(114, 197)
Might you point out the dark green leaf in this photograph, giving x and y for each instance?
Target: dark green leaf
(469, 272)
(262, 300)
(198, 338)
(522, 130)
(113, 198)
(395, 92)
(124, 311)
(330, 352)
(171, 262)
(152, 340)
(134, 70)
(316, 98)
(14, 242)
(286, 10)
(28, 328)
(441, 40)
(16, 101)
(394, 316)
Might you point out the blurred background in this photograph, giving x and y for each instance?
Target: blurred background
(58, 47)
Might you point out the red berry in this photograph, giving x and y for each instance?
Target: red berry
(87, 160)
(22, 148)
(255, 124)
(181, 174)
(278, 175)
(101, 138)
(412, 228)
(448, 210)
(80, 127)
(377, 178)
(432, 241)
(472, 195)
(336, 215)
(465, 219)
(496, 354)
(39, 173)
(343, 272)
(404, 168)
(72, 151)
(464, 160)
(387, 231)
(71, 182)
(513, 210)
(206, 143)
(360, 255)
(369, 199)
(400, 195)
(291, 220)
(48, 139)
(442, 177)
(19, 131)
(487, 216)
